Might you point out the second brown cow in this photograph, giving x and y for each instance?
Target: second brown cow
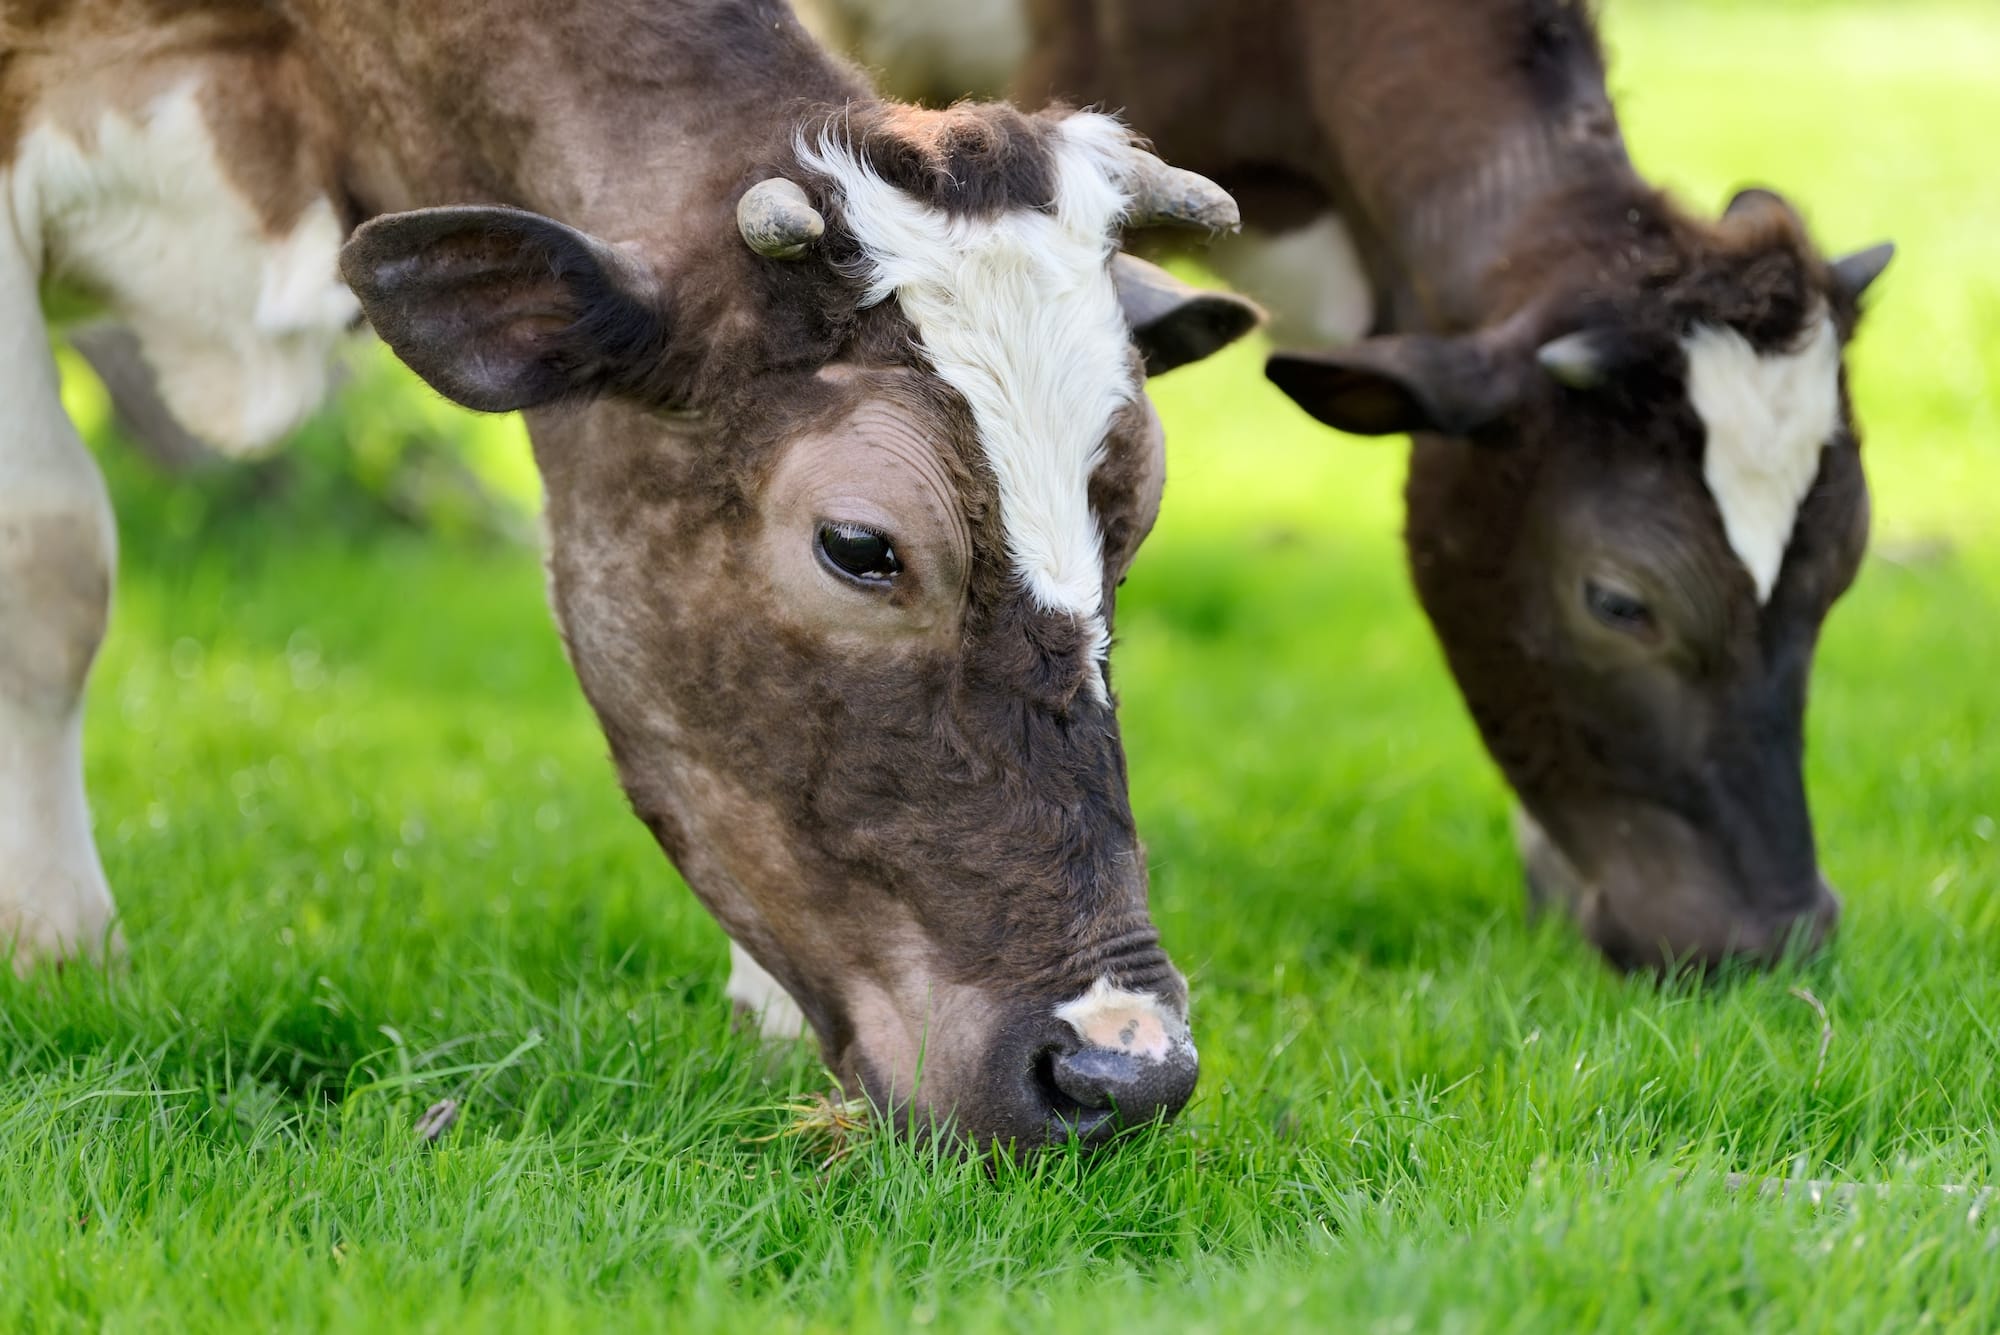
(1636, 487)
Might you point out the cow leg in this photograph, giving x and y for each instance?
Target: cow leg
(761, 999)
(1310, 279)
(57, 559)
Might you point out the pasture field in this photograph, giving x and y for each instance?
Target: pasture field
(371, 855)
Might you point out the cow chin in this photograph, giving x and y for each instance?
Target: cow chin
(1653, 899)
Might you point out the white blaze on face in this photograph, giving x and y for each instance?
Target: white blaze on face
(1768, 416)
(1018, 313)
(1137, 1023)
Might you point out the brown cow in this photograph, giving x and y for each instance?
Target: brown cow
(843, 435)
(1636, 488)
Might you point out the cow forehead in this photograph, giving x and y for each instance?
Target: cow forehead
(1017, 312)
(1767, 416)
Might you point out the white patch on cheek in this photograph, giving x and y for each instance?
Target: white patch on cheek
(1138, 1023)
(753, 991)
(1768, 417)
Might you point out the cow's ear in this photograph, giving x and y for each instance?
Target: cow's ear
(1174, 323)
(499, 309)
(1406, 383)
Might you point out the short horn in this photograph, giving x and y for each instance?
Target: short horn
(1164, 196)
(1574, 360)
(1853, 274)
(776, 219)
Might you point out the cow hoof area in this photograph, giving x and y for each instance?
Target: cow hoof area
(39, 940)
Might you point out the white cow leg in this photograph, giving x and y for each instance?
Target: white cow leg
(1310, 279)
(57, 561)
(760, 998)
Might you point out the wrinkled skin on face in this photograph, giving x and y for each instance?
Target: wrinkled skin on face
(778, 558)
(1643, 695)
(899, 797)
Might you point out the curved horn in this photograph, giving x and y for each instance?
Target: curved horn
(776, 219)
(1164, 196)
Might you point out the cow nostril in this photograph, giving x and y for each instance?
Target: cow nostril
(1092, 1077)
(1060, 1102)
(1093, 1091)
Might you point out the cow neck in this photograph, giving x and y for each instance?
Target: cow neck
(598, 115)
(1482, 235)
(1460, 130)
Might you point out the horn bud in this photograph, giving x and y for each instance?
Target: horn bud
(1164, 196)
(1853, 274)
(1574, 361)
(777, 220)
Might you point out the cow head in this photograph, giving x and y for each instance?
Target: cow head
(1631, 505)
(842, 476)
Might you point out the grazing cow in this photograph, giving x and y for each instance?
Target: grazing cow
(843, 435)
(1636, 487)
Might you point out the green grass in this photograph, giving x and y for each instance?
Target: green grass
(371, 855)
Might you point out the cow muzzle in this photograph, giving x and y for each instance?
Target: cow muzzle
(1656, 906)
(1103, 1063)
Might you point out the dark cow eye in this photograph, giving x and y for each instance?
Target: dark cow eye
(1616, 608)
(860, 553)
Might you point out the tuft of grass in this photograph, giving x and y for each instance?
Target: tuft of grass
(372, 861)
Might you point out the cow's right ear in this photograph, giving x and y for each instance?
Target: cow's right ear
(500, 309)
(1406, 383)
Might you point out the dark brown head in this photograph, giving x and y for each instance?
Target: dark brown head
(839, 493)
(1631, 505)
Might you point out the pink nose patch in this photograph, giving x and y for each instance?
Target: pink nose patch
(1129, 1022)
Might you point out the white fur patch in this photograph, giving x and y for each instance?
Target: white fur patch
(1768, 418)
(1018, 313)
(1311, 280)
(239, 327)
(755, 992)
(1107, 1016)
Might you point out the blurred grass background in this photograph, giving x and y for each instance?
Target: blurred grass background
(370, 854)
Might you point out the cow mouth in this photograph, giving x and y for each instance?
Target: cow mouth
(1068, 1116)
(1679, 929)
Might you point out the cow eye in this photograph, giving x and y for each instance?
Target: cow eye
(858, 552)
(1617, 608)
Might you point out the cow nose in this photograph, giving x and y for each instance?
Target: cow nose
(1094, 1092)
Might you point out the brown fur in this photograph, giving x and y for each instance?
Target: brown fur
(1473, 152)
(903, 801)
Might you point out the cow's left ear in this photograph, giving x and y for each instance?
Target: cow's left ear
(1173, 322)
(500, 309)
(1404, 383)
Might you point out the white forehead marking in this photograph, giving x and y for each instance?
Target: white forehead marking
(1107, 1016)
(1018, 313)
(1768, 418)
